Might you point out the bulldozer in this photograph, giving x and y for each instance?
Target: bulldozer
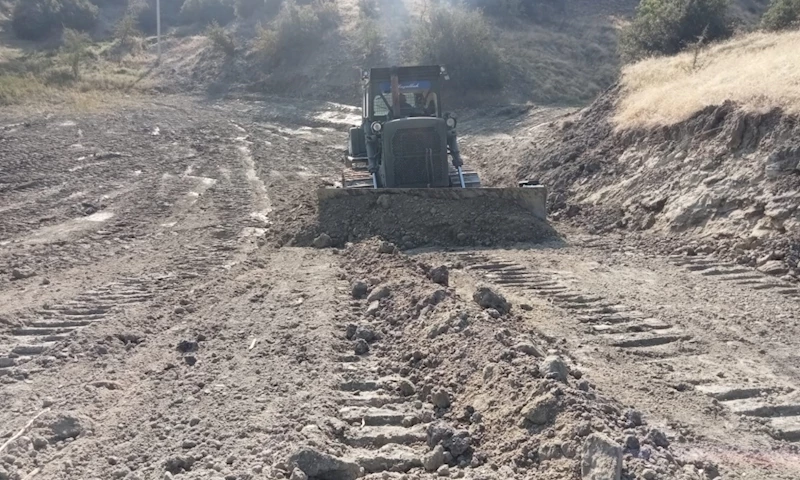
(407, 146)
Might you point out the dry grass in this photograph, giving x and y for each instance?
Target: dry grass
(759, 71)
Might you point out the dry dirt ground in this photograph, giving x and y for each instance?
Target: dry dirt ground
(155, 322)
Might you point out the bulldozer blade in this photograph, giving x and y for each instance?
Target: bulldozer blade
(412, 217)
(532, 199)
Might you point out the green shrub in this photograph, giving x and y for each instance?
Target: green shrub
(207, 11)
(461, 40)
(126, 32)
(38, 19)
(369, 40)
(75, 50)
(782, 14)
(265, 45)
(221, 40)
(669, 26)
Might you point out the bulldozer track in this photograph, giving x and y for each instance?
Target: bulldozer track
(769, 406)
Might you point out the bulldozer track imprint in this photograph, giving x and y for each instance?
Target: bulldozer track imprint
(42, 330)
(619, 325)
(385, 431)
(636, 333)
(737, 274)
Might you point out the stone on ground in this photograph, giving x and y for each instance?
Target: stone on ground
(602, 458)
(316, 464)
(554, 368)
(542, 409)
(322, 241)
(488, 298)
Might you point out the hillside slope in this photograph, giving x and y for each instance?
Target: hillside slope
(707, 158)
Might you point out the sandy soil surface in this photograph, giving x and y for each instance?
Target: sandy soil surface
(154, 325)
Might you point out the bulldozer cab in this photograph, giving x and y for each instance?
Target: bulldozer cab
(418, 92)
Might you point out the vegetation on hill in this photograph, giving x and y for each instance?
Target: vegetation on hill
(670, 26)
(758, 71)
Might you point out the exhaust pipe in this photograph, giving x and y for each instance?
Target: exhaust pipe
(395, 93)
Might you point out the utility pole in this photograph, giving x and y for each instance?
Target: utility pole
(158, 28)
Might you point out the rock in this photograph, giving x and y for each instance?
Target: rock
(407, 388)
(634, 418)
(48, 402)
(438, 433)
(601, 458)
(194, 421)
(298, 474)
(190, 360)
(488, 298)
(541, 410)
(528, 349)
(526, 307)
(440, 275)
(359, 289)
(657, 438)
(387, 247)
(433, 460)
(121, 472)
(649, 474)
(391, 457)
(39, 442)
(438, 329)
(632, 443)
(379, 293)
(4, 475)
(583, 429)
(22, 273)
(550, 451)
(367, 333)
(316, 464)
(493, 313)
(459, 443)
(443, 471)
(553, 367)
(774, 267)
(187, 346)
(373, 308)
(648, 222)
(350, 331)
(63, 426)
(361, 347)
(583, 385)
(322, 241)
(441, 399)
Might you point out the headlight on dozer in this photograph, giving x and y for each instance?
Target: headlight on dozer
(451, 122)
(377, 127)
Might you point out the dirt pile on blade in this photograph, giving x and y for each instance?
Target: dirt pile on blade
(410, 221)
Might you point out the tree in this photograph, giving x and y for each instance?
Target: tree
(669, 26)
(75, 49)
(782, 14)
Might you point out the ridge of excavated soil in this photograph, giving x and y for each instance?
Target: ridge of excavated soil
(725, 181)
